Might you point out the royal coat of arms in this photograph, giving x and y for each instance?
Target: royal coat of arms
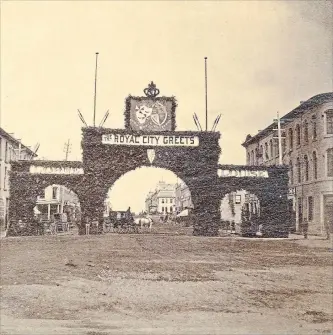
(150, 113)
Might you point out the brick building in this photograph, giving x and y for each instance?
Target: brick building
(307, 148)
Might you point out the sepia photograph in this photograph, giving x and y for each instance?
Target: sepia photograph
(166, 167)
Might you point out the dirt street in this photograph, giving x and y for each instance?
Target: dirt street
(156, 284)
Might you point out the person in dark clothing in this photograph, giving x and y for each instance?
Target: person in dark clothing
(305, 228)
(40, 226)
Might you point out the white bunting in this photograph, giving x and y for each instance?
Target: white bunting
(55, 170)
(242, 173)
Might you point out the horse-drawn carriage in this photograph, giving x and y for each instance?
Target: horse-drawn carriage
(124, 222)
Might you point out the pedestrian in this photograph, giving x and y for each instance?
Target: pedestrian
(305, 228)
(87, 226)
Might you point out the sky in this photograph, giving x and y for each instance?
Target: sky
(263, 57)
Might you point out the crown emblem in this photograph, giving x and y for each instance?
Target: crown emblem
(151, 91)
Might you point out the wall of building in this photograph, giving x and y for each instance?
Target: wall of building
(162, 200)
(9, 151)
(183, 197)
(166, 205)
(232, 204)
(55, 200)
(314, 147)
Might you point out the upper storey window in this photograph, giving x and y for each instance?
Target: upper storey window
(329, 122)
(298, 135)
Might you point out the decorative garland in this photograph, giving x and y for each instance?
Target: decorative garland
(197, 166)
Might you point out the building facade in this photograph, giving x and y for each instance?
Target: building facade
(183, 198)
(58, 199)
(307, 148)
(162, 200)
(232, 205)
(11, 149)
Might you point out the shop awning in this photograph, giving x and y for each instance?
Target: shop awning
(185, 212)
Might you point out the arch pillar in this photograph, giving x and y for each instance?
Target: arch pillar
(206, 207)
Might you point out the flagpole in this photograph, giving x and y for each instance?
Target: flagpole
(206, 92)
(95, 90)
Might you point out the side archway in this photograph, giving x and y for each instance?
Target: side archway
(26, 187)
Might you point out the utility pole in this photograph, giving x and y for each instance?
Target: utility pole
(279, 137)
(67, 149)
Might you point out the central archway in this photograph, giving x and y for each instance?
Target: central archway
(155, 192)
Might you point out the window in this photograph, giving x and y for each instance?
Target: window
(315, 165)
(6, 152)
(310, 208)
(291, 138)
(314, 130)
(266, 151)
(306, 131)
(271, 148)
(0, 148)
(170, 209)
(5, 179)
(298, 135)
(54, 192)
(300, 210)
(276, 149)
(171, 200)
(306, 167)
(329, 122)
(298, 166)
(252, 157)
(248, 158)
(162, 200)
(284, 147)
(329, 162)
(238, 199)
(291, 173)
(256, 156)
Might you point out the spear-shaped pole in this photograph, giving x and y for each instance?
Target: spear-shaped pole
(95, 90)
(206, 93)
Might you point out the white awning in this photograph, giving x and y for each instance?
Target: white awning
(183, 213)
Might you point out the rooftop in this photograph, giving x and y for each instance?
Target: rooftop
(305, 106)
(12, 139)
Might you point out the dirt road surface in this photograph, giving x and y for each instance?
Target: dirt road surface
(156, 284)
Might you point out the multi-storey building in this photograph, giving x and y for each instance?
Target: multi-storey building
(162, 200)
(232, 205)
(183, 198)
(307, 148)
(11, 149)
(57, 199)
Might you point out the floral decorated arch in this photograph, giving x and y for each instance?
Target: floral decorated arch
(150, 139)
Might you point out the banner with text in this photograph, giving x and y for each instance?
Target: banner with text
(242, 173)
(151, 140)
(55, 170)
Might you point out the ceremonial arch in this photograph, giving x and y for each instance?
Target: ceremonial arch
(150, 139)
